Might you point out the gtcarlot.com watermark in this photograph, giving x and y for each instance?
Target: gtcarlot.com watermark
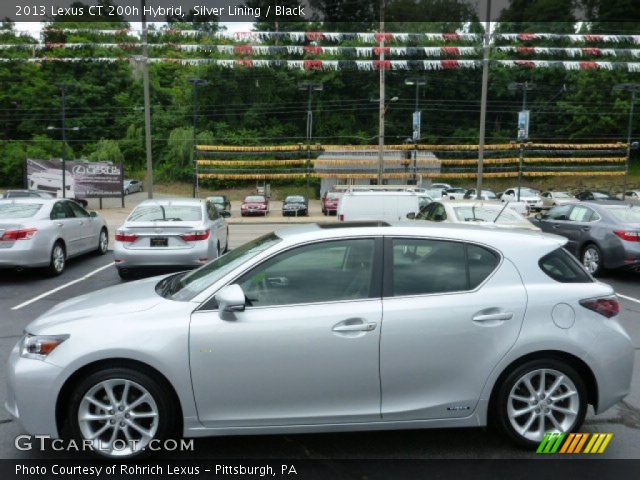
(46, 443)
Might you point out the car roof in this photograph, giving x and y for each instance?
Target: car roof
(172, 201)
(39, 200)
(510, 242)
(391, 193)
(601, 203)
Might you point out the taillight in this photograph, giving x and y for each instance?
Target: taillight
(195, 236)
(22, 234)
(341, 218)
(607, 306)
(628, 236)
(125, 237)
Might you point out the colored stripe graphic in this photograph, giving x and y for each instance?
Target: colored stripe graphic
(573, 443)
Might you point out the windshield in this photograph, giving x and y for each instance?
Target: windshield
(486, 214)
(175, 213)
(527, 192)
(18, 210)
(295, 199)
(184, 287)
(487, 194)
(625, 214)
(216, 199)
(333, 195)
(254, 198)
(601, 195)
(424, 201)
(560, 195)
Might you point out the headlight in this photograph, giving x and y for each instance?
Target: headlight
(39, 346)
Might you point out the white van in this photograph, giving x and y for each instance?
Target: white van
(383, 206)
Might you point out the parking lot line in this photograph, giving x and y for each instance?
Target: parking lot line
(61, 287)
(632, 299)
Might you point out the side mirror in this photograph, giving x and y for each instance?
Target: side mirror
(225, 213)
(93, 214)
(230, 299)
(411, 215)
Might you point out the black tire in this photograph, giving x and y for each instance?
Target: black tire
(56, 268)
(226, 245)
(103, 242)
(592, 259)
(125, 273)
(167, 410)
(500, 416)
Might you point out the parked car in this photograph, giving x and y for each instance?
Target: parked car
(436, 193)
(188, 351)
(296, 205)
(255, 205)
(329, 202)
(441, 186)
(631, 196)
(455, 193)
(221, 202)
(25, 193)
(172, 233)
(530, 196)
(471, 194)
(602, 234)
(595, 195)
(553, 198)
(473, 211)
(46, 232)
(131, 186)
(380, 205)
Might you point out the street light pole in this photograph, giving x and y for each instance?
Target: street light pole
(633, 88)
(63, 127)
(147, 104)
(310, 87)
(382, 108)
(483, 98)
(417, 81)
(525, 87)
(196, 82)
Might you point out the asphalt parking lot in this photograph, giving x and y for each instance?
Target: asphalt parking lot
(26, 295)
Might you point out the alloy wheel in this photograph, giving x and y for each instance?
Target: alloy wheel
(57, 257)
(104, 242)
(541, 401)
(591, 259)
(118, 416)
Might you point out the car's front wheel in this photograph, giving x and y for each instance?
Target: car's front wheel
(592, 259)
(539, 397)
(119, 411)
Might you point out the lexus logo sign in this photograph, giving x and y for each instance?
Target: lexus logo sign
(96, 170)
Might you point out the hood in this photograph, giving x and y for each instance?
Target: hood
(120, 299)
(254, 204)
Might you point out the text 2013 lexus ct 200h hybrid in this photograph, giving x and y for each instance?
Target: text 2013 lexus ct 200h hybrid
(331, 328)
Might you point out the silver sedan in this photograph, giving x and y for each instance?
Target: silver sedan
(43, 232)
(176, 233)
(303, 330)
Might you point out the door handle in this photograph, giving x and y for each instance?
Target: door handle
(585, 229)
(59, 224)
(354, 327)
(556, 226)
(492, 317)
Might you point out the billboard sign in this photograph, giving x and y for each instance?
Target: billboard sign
(82, 179)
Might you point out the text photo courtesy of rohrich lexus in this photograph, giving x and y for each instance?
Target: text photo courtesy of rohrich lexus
(317, 239)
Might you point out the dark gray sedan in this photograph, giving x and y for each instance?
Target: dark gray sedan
(295, 205)
(603, 234)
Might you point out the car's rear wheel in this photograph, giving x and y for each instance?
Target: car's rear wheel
(58, 260)
(103, 242)
(119, 411)
(539, 397)
(125, 273)
(592, 259)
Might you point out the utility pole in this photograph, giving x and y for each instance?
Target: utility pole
(483, 98)
(523, 133)
(147, 104)
(196, 82)
(64, 88)
(310, 87)
(417, 121)
(382, 107)
(633, 88)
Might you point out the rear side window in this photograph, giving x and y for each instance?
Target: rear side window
(436, 266)
(563, 268)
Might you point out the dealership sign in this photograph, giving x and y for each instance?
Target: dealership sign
(82, 179)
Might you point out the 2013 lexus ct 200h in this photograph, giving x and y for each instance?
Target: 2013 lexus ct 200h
(331, 328)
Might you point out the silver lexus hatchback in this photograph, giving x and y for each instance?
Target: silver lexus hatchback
(176, 233)
(331, 328)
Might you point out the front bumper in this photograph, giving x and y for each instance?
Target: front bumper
(32, 391)
(162, 256)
